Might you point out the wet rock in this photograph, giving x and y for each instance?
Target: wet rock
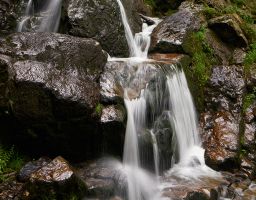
(228, 28)
(170, 34)
(56, 179)
(220, 122)
(113, 123)
(102, 21)
(222, 145)
(100, 178)
(116, 77)
(50, 89)
(205, 189)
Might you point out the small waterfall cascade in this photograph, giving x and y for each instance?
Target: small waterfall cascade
(164, 105)
(139, 44)
(40, 17)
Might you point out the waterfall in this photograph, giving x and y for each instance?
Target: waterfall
(155, 152)
(168, 102)
(139, 44)
(46, 19)
(183, 114)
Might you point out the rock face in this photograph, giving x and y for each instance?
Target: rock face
(221, 121)
(50, 89)
(170, 34)
(102, 21)
(7, 16)
(248, 163)
(55, 180)
(227, 27)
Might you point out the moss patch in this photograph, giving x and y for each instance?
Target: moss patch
(10, 161)
(202, 61)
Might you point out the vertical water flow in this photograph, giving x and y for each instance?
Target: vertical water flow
(139, 44)
(136, 109)
(51, 16)
(156, 153)
(46, 19)
(128, 32)
(183, 114)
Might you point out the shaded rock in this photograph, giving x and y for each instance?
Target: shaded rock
(170, 34)
(227, 27)
(164, 5)
(113, 123)
(50, 89)
(102, 21)
(8, 17)
(221, 51)
(55, 180)
(10, 190)
(31, 167)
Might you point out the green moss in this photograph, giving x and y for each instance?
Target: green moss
(249, 99)
(99, 109)
(10, 161)
(151, 3)
(202, 61)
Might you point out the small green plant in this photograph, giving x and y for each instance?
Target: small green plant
(249, 99)
(10, 161)
(251, 55)
(99, 109)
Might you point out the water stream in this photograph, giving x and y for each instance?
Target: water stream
(41, 18)
(170, 101)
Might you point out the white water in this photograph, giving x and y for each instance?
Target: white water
(139, 44)
(190, 162)
(155, 152)
(46, 20)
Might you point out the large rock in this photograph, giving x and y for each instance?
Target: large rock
(50, 90)
(102, 21)
(222, 116)
(56, 180)
(228, 28)
(170, 34)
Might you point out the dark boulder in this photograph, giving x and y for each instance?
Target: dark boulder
(169, 35)
(50, 90)
(102, 21)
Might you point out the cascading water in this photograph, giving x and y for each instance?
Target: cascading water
(43, 18)
(170, 101)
